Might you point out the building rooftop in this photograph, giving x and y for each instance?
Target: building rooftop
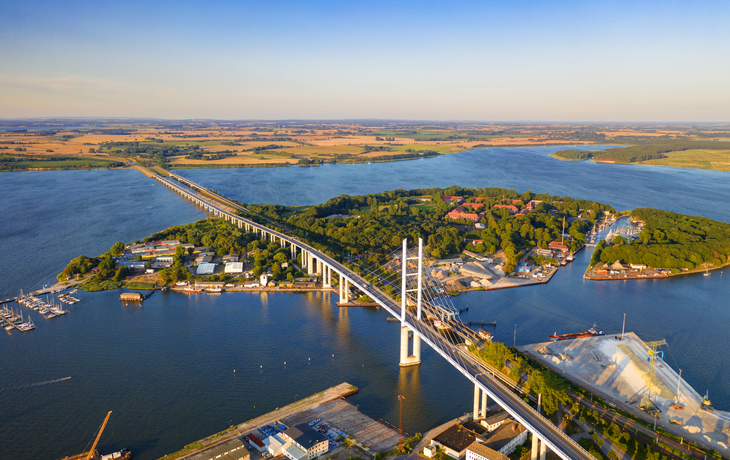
(475, 427)
(229, 450)
(255, 440)
(498, 417)
(206, 269)
(486, 452)
(456, 438)
(504, 434)
(304, 435)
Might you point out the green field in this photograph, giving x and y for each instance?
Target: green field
(701, 159)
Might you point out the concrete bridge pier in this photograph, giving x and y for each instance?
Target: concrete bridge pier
(480, 403)
(310, 263)
(538, 446)
(326, 277)
(407, 359)
(344, 290)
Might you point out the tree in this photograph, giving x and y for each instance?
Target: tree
(117, 249)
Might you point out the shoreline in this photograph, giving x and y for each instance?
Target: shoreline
(695, 271)
(340, 391)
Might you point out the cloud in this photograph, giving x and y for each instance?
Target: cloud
(67, 83)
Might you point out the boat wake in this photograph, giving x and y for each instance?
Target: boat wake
(33, 385)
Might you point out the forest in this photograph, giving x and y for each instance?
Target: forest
(671, 240)
(376, 224)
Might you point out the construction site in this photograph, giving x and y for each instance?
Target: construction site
(631, 375)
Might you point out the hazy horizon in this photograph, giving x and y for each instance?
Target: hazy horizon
(518, 62)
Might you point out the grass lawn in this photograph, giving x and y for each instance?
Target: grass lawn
(699, 158)
(425, 207)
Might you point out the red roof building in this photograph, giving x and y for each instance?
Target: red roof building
(452, 199)
(458, 214)
(558, 245)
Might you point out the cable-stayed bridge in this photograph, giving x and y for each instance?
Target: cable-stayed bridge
(423, 312)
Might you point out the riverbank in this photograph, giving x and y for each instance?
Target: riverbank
(599, 272)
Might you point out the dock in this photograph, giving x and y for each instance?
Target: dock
(336, 393)
(480, 323)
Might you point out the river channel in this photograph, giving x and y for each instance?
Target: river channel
(166, 369)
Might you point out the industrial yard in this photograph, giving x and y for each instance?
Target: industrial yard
(620, 371)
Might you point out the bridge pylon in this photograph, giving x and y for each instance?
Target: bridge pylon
(407, 359)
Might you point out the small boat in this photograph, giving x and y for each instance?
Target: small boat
(216, 290)
(193, 289)
(706, 274)
(485, 335)
(592, 332)
(124, 454)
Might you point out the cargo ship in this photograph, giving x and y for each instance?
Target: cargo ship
(592, 332)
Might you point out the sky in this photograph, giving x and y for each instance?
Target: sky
(611, 61)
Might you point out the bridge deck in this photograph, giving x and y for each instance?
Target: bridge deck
(469, 366)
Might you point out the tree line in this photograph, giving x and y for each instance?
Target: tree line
(671, 240)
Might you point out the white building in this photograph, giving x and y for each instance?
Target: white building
(304, 443)
(205, 269)
(275, 444)
(234, 267)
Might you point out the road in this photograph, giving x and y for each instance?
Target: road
(469, 366)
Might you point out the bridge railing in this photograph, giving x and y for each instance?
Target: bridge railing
(464, 364)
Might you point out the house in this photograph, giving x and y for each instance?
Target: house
(264, 279)
(479, 226)
(130, 297)
(495, 421)
(255, 442)
(544, 252)
(617, 266)
(532, 204)
(210, 284)
(511, 208)
(638, 266)
(506, 437)
(304, 443)
(251, 284)
(454, 441)
(474, 206)
(458, 214)
(454, 199)
(558, 246)
(478, 451)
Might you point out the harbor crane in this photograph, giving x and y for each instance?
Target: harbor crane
(98, 436)
(648, 404)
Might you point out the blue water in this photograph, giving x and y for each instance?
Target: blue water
(691, 191)
(166, 369)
